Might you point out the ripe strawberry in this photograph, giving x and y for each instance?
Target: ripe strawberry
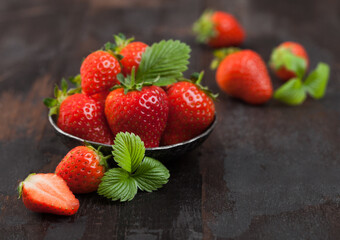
(79, 115)
(48, 193)
(191, 111)
(139, 110)
(100, 98)
(132, 55)
(82, 168)
(98, 72)
(244, 75)
(287, 55)
(218, 29)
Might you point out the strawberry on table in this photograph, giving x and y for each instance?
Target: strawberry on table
(48, 193)
(218, 29)
(243, 74)
(98, 72)
(79, 115)
(289, 60)
(82, 168)
(191, 110)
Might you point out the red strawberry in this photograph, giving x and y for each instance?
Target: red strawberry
(48, 193)
(286, 54)
(218, 29)
(244, 75)
(79, 115)
(100, 98)
(142, 112)
(132, 55)
(84, 117)
(98, 72)
(191, 111)
(82, 168)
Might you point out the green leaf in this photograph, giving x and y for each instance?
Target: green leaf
(50, 102)
(283, 57)
(64, 85)
(291, 93)
(165, 60)
(128, 151)
(151, 175)
(117, 184)
(316, 82)
(76, 80)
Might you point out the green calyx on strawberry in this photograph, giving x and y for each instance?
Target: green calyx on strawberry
(204, 27)
(120, 42)
(295, 91)
(220, 54)
(61, 94)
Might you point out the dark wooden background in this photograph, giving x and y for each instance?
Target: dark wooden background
(268, 172)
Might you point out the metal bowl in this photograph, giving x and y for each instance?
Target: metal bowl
(161, 153)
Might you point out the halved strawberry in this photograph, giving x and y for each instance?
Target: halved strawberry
(47, 193)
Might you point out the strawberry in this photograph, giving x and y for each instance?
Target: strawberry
(244, 75)
(287, 58)
(47, 193)
(80, 115)
(218, 29)
(191, 111)
(100, 98)
(132, 55)
(142, 110)
(82, 168)
(98, 72)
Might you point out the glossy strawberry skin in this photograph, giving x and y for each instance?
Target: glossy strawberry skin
(48, 193)
(84, 117)
(298, 50)
(100, 98)
(229, 31)
(143, 113)
(81, 169)
(98, 72)
(244, 75)
(191, 112)
(132, 55)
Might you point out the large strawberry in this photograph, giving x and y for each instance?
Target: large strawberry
(289, 60)
(98, 72)
(142, 110)
(191, 110)
(244, 75)
(218, 29)
(82, 168)
(80, 115)
(48, 193)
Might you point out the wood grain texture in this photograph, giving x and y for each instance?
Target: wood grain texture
(268, 172)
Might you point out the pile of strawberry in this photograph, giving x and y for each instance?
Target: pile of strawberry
(131, 87)
(243, 74)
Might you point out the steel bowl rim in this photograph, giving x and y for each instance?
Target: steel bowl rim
(206, 132)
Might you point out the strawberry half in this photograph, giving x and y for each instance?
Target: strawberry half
(218, 29)
(82, 168)
(138, 109)
(191, 110)
(47, 193)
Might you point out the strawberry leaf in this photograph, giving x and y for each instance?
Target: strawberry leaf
(117, 184)
(291, 93)
(283, 57)
(165, 60)
(151, 175)
(128, 151)
(316, 82)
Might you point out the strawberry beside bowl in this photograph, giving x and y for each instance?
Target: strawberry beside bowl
(161, 153)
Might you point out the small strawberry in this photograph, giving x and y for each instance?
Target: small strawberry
(244, 75)
(218, 29)
(129, 53)
(47, 193)
(98, 72)
(82, 168)
(191, 110)
(79, 115)
(138, 109)
(289, 60)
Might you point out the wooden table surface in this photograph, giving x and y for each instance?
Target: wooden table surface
(266, 172)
